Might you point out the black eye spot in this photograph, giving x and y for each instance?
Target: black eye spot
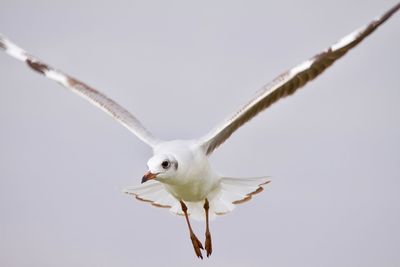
(166, 164)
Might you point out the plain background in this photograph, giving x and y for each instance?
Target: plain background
(332, 150)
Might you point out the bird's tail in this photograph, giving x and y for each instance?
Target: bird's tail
(223, 199)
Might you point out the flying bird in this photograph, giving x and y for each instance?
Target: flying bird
(179, 176)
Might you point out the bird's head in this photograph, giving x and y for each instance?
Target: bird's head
(161, 168)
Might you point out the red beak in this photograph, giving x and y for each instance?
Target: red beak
(148, 176)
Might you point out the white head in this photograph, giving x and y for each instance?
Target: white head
(161, 168)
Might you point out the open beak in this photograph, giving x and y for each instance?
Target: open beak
(148, 176)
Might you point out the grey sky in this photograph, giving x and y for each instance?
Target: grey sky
(332, 150)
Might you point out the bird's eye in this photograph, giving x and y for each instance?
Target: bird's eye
(166, 164)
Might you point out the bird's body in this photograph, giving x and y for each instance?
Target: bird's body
(191, 179)
(179, 174)
(194, 179)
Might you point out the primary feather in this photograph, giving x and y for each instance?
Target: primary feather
(289, 82)
(100, 100)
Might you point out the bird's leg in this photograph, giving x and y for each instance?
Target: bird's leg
(207, 244)
(195, 241)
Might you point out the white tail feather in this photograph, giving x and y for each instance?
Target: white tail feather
(223, 199)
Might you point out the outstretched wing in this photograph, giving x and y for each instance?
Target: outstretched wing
(95, 97)
(288, 83)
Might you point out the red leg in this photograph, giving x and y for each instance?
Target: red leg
(208, 243)
(195, 241)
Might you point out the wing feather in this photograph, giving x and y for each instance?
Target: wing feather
(289, 82)
(100, 100)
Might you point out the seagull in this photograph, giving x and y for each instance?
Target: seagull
(179, 176)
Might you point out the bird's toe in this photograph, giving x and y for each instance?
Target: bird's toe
(208, 244)
(197, 246)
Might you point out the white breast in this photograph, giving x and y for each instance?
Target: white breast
(194, 177)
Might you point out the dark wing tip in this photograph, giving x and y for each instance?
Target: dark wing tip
(389, 13)
(37, 66)
(2, 44)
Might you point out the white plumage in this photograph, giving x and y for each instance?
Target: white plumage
(179, 175)
(193, 181)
